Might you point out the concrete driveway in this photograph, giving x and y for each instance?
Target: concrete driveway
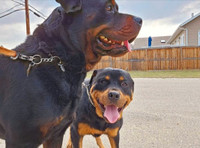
(165, 113)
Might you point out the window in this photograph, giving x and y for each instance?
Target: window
(199, 38)
(182, 40)
(178, 41)
(162, 41)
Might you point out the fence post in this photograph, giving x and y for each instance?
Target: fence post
(198, 57)
(146, 59)
(181, 58)
(110, 59)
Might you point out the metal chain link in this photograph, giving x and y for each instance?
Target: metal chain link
(37, 60)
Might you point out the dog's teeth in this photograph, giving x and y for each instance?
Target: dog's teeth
(106, 39)
(110, 41)
(113, 43)
(122, 43)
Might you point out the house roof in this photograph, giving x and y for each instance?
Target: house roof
(181, 28)
(156, 42)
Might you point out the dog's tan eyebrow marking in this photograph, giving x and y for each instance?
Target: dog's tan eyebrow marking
(107, 77)
(121, 78)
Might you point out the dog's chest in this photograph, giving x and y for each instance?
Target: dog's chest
(65, 94)
(55, 127)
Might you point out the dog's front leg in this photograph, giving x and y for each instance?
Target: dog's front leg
(76, 139)
(53, 143)
(99, 142)
(114, 141)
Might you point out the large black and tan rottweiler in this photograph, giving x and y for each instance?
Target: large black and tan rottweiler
(41, 85)
(100, 109)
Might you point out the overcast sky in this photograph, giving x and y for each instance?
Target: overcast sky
(160, 17)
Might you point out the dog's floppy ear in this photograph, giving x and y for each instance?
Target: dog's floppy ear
(70, 6)
(93, 75)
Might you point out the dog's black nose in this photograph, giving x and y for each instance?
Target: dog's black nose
(113, 95)
(138, 20)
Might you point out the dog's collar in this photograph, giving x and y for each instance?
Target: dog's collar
(88, 93)
(37, 60)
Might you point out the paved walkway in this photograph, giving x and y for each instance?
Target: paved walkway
(165, 113)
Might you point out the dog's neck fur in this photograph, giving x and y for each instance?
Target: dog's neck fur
(51, 37)
(45, 40)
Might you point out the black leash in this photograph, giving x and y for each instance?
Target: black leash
(37, 60)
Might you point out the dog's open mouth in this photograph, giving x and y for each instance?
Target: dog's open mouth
(109, 44)
(111, 112)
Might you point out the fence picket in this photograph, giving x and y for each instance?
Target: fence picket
(174, 58)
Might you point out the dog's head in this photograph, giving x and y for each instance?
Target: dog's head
(111, 91)
(97, 28)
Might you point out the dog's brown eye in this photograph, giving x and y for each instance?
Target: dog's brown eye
(103, 82)
(124, 84)
(109, 8)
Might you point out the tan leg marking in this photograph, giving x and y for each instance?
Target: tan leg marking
(99, 142)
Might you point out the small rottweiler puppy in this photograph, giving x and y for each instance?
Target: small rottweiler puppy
(100, 109)
(41, 86)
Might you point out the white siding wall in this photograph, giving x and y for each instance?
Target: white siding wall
(180, 40)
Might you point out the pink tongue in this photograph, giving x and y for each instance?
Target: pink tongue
(111, 113)
(128, 45)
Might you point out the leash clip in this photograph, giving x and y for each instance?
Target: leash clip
(21, 57)
(16, 57)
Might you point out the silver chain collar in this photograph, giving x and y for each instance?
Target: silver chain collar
(37, 60)
(88, 93)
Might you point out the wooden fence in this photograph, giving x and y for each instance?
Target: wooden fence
(174, 58)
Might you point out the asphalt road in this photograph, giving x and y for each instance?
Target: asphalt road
(165, 113)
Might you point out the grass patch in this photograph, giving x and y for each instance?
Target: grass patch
(162, 74)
